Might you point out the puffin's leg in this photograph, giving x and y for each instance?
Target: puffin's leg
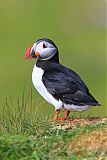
(56, 115)
(65, 116)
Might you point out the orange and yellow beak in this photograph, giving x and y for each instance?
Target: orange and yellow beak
(30, 53)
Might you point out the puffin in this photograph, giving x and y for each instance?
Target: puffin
(57, 84)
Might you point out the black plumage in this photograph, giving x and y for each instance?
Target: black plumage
(65, 85)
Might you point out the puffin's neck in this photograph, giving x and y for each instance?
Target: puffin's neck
(45, 63)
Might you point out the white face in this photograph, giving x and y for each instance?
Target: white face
(45, 49)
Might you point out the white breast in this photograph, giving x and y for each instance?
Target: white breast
(38, 84)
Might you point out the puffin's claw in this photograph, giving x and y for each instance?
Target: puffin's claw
(61, 119)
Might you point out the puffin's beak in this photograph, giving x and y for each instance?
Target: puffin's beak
(28, 54)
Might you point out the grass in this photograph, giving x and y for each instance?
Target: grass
(26, 135)
(52, 144)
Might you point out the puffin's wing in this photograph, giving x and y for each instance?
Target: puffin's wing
(69, 88)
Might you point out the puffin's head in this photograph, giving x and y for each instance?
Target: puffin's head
(43, 49)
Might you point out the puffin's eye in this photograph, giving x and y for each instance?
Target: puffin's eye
(44, 46)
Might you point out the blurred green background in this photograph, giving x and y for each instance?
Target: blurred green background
(77, 27)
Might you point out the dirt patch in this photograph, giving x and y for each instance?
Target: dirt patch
(78, 122)
(96, 141)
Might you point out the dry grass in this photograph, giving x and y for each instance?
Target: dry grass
(96, 141)
(78, 123)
